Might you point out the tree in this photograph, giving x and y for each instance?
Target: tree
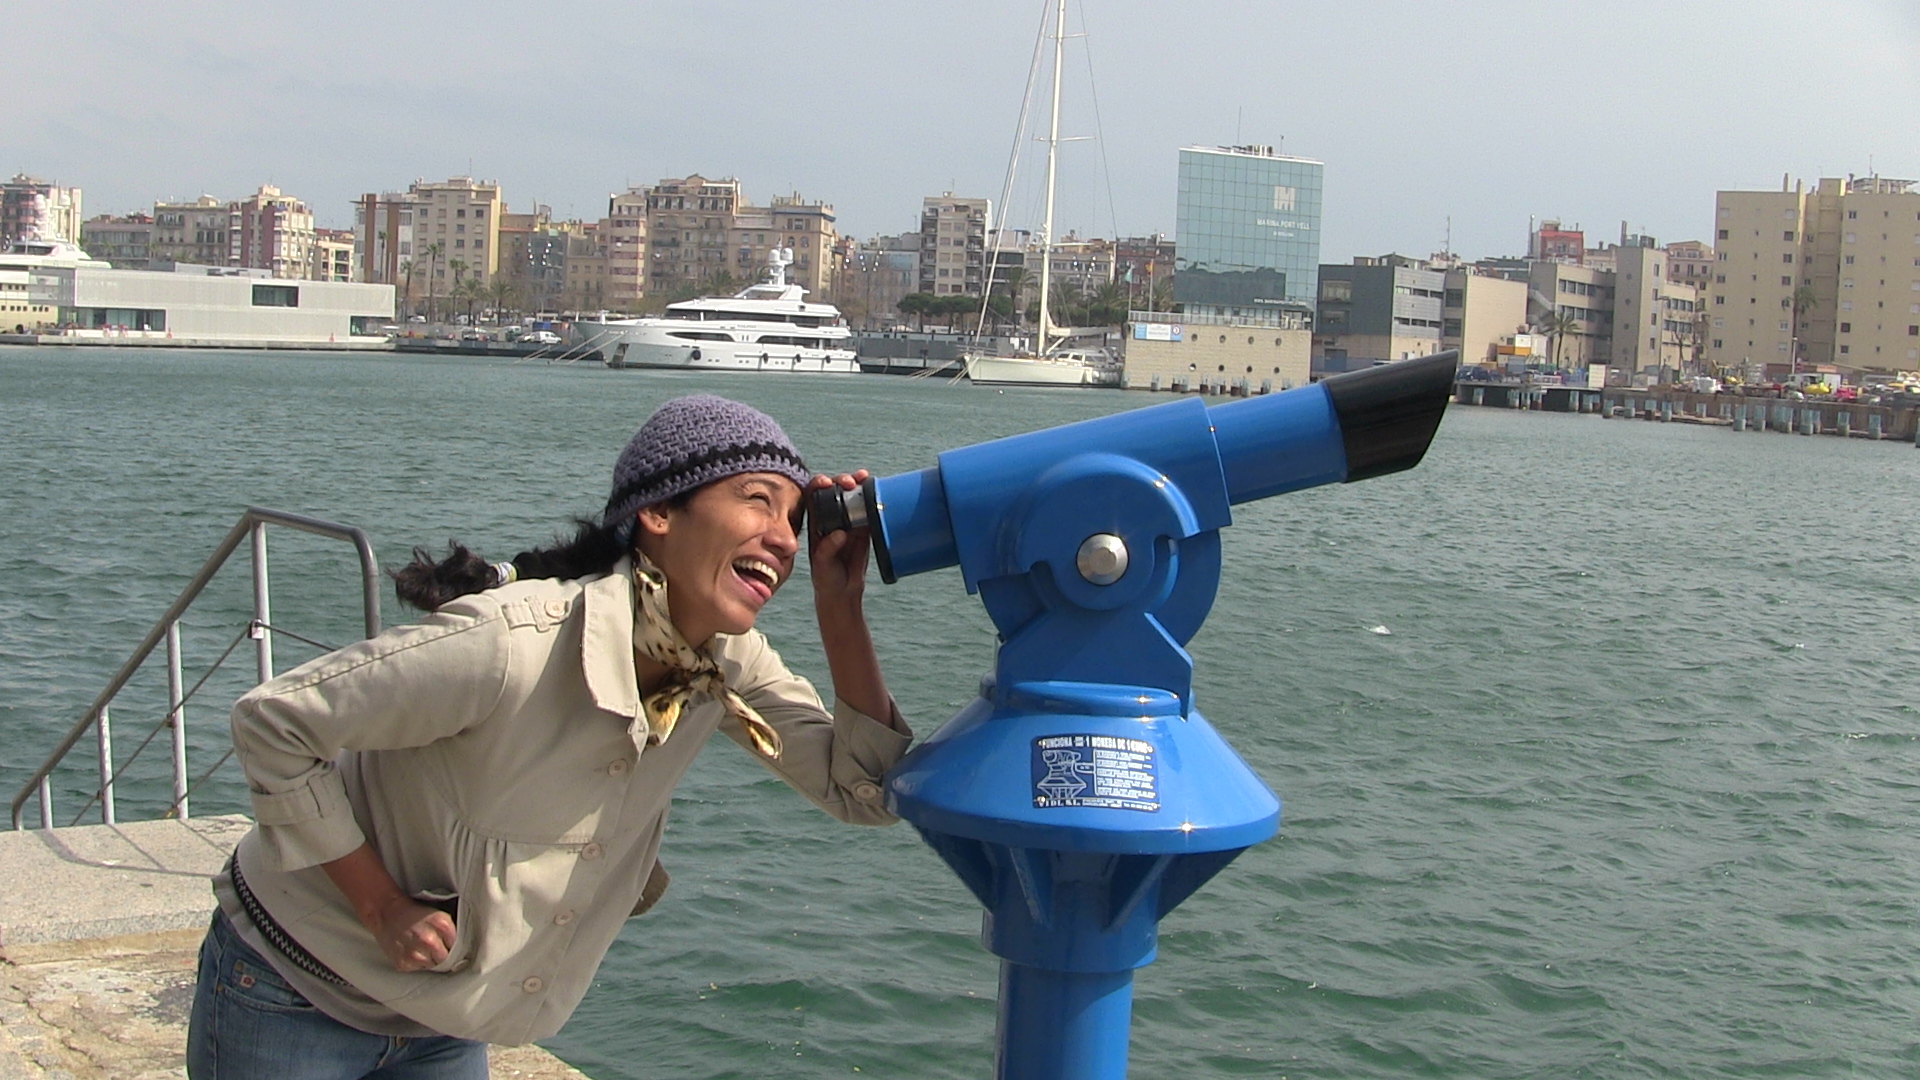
(406, 268)
(1108, 305)
(1803, 301)
(915, 305)
(1557, 325)
(504, 294)
(1014, 285)
(433, 252)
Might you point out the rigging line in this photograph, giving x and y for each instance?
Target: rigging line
(321, 645)
(155, 730)
(174, 808)
(1099, 132)
(1013, 164)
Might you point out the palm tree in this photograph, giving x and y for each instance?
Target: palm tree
(433, 252)
(1557, 325)
(1016, 281)
(502, 293)
(406, 268)
(1108, 305)
(1803, 301)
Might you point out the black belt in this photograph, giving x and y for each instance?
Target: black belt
(277, 935)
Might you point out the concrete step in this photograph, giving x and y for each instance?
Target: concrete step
(100, 881)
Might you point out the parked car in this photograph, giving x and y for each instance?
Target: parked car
(540, 337)
(473, 335)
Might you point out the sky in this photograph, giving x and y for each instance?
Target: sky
(1433, 118)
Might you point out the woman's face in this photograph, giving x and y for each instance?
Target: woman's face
(726, 552)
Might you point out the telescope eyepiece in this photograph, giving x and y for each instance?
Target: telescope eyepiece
(831, 509)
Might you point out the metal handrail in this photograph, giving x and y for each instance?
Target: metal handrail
(252, 524)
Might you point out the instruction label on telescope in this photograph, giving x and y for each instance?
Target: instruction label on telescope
(1102, 771)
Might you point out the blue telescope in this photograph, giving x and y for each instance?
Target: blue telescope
(1082, 797)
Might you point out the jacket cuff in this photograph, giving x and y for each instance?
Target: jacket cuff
(308, 825)
(874, 745)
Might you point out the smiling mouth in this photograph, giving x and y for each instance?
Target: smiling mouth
(760, 576)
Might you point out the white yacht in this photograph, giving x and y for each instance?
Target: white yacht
(764, 327)
(1058, 367)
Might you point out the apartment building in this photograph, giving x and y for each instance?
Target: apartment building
(272, 231)
(879, 272)
(700, 229)
(383, 228)
(953, 245)
(1690, 262)
(1076, 265)
(1479, 311)
(585, 268)
(624, 233)
(333, 255)
(1375, 310)
(456, 231)
(1655, 321)
(1584, 297)
(1822, 276)
(34, 208)
(122, 241)
(198, 232)
(1548, 242)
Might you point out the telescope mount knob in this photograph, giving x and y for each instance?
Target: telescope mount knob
(1102, 558)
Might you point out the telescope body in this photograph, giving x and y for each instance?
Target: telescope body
(1081, 796)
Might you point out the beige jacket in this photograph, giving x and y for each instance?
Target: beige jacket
(491, 752)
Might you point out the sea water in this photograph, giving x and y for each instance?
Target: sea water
(1596, 738)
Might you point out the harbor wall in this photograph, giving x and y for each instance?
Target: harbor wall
(1259, 356)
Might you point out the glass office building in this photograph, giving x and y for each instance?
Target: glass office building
(1247, 241)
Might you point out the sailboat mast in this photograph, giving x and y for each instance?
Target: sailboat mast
(1053, 154)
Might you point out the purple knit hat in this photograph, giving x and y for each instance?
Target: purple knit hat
(693, 441)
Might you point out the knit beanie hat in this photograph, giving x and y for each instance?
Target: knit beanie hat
(692, 441)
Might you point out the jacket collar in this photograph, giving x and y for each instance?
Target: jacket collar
(606, 641)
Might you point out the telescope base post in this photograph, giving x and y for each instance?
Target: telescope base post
(1063, 1025)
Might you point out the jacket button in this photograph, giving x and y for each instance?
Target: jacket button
(592, 851)
(563, 918)
(534, 984)
(557, 608)
(866, 791)
(618, 768)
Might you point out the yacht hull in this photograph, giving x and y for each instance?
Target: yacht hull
(648, 347)
(1037, 371)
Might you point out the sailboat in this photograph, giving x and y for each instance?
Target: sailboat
(1060, 364)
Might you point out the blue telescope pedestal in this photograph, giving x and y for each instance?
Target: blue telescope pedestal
(1082, 797)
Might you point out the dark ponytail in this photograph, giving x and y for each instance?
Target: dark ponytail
(426, 582)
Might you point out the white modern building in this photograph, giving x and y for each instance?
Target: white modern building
(203, 305)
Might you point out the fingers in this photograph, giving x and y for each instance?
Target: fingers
(846, 481)
(423, 943)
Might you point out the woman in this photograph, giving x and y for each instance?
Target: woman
(454, 819)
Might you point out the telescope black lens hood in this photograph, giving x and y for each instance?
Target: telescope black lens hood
(1388, 414)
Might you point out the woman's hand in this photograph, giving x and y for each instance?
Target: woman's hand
(413, 935)
(838, 564)
(837, 561)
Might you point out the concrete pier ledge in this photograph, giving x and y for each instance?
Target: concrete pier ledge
(100, 927)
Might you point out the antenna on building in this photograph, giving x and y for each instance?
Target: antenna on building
(1239, 113)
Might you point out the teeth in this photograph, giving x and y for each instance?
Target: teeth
(758, 569)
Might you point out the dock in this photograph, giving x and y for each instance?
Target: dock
(1738, 412)
(100, 929)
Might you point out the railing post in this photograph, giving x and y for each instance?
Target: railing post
(46, 803)
(177, 720)
(262, 613)
(104, 726)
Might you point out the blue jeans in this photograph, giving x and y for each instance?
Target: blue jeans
(248, 1024)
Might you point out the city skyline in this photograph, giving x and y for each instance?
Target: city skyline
(1635, 113)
